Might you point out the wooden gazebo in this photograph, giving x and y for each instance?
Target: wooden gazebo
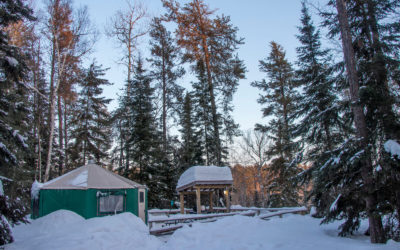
(199, 180)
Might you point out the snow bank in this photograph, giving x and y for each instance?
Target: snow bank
(288, 233)
(392, 147)
(66, 230)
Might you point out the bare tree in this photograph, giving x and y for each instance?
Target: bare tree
(254, 145)
(127, 26)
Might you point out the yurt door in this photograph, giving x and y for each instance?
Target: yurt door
(142, 204)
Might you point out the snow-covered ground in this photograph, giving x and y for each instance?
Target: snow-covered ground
(66, 230)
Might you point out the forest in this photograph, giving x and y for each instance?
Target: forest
(330, 138)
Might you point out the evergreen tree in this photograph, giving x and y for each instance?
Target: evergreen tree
(321, 126)
(14, 124)
(165, 72)
(370, 42)
(203, 116)
(91, 122)
(143, 137)
(319, 106)
(191, 150)
(280, 99)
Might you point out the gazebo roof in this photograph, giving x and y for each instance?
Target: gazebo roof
(205, 175)
(90, 176)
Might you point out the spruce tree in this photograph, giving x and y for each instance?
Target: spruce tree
(370, 42)
(203, 116)
(143, 137)
(191, 150)
(280, 100)
(14, 117)
(164, 57)
(91, 133)
(319, 107)
(321, 126)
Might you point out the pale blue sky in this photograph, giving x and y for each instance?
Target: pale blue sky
(259, 22)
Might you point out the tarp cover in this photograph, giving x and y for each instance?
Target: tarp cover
(90, 176)
(205, 175)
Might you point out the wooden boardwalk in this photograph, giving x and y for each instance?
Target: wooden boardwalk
(174, 223)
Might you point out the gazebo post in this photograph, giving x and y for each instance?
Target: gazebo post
(198, 201)
(211, 201)
(182, 202)
(228, 201)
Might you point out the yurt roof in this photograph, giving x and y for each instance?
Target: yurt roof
(203, 175)
(90, 176)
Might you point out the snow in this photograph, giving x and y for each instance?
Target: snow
(60, 177)
(12, 61)
(36, 186)
(205, 174)
(81, 180)
(392, 147)
(357, 155)
(334, 204)
(1, 188)
(291, 232)
(313, 211)
(66, 230)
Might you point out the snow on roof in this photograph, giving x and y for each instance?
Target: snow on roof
(205, 175)
(90, 176)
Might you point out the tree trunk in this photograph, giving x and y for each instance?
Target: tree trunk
(65, 137)
(51, 111)
(164, 112)
(375, 221)
(50, 150)
(60, 135)
(213, 106)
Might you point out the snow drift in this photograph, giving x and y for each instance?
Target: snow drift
(67, 230)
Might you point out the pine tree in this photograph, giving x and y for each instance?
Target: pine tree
(280, 99)
(213, 41)
(91, 121)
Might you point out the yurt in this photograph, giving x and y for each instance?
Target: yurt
(90, 191)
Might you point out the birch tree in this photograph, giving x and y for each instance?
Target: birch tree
(68, 36)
